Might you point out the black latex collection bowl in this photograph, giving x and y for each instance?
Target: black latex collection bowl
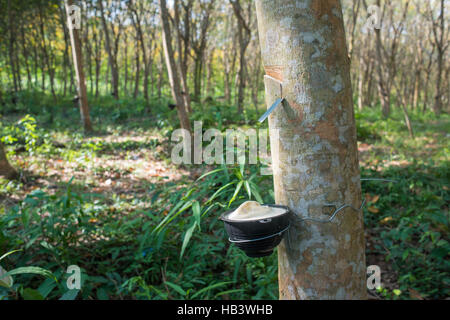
(257, 237)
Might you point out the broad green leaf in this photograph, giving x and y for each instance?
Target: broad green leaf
(256, 194)
(186, 239)
(102, 294)
(184, 208)
(31, 294)
(238, 174)
(220, 190)
(31, 270)
(241, 168)
(172, 211)
(8, 253)
(209, 173)
(216, 285)
(225, 168)
(176, 287)
(159, 292)
(188, 194)
(236, 192)
(249, 192)
(196, 210)
(46, 287)
(70, 295)
(228, 291)
(209, 208)
(170, 216)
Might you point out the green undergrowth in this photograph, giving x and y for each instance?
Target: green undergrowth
(166, 242)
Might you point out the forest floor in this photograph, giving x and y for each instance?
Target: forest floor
(120, 170)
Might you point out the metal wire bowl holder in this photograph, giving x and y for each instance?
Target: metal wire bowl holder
(330, 219)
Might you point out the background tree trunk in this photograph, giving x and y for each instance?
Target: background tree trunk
(111, 57)
(6, 170)
(383, 93)
(45, 53)
(136, 19)
(78, 64)
(315, 159)
(171, 68)
(125, 57)
(183, 47)
(137, 73)
(229, 60)
(12, 39)
(244, 34)
(441, 42)
(98, 58)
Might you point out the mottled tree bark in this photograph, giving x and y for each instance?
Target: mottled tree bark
(315, 159)
(78, 64)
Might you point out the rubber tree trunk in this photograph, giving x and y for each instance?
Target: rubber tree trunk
(383, 91)
(174, 80)
(78, 64)
(437, 107)
(12, 38)
(112, 58)
(314, 157)
(6, 170)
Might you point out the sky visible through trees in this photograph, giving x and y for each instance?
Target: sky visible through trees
(216, 49)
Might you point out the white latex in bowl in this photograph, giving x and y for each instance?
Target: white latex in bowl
(252, 210)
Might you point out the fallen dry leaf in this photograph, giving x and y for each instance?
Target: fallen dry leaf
(373, 209)
(415, 295)
(386, 220)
